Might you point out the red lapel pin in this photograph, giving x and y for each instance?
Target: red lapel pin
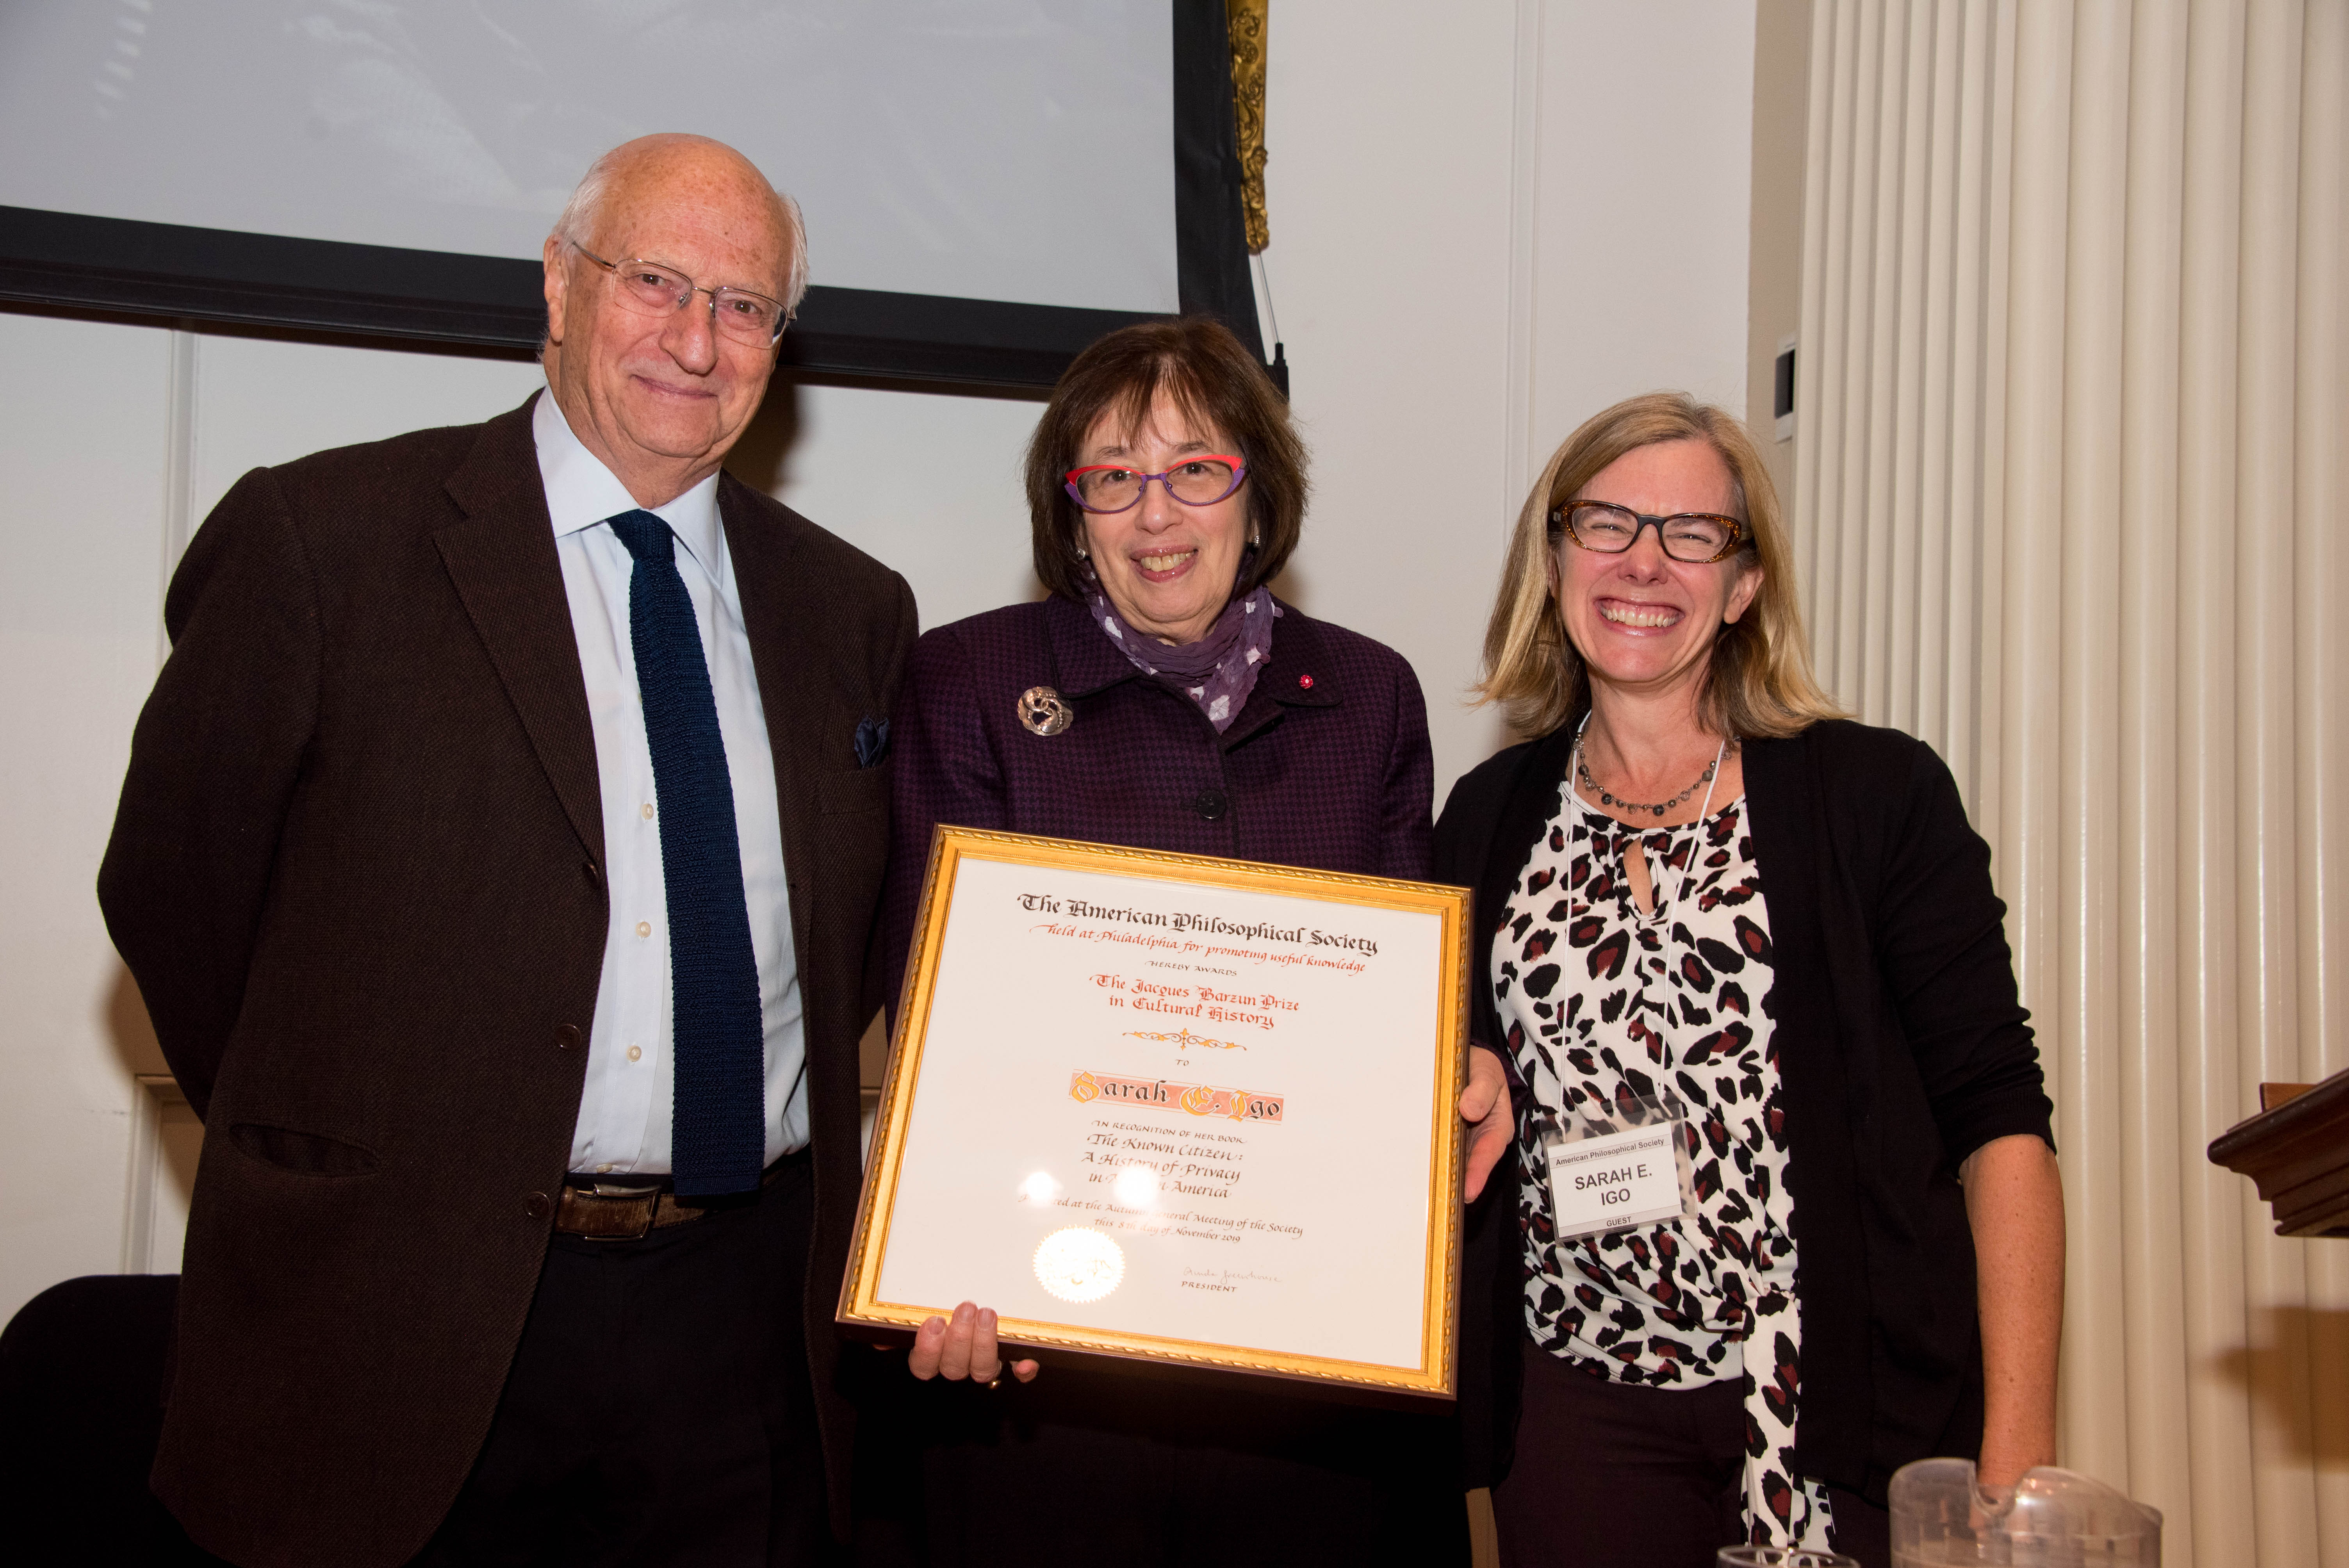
(1305, 681)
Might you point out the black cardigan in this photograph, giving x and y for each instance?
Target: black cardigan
(1902, 1049)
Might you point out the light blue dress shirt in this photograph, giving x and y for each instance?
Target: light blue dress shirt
(624, 1108)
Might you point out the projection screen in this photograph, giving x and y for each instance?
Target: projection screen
(988, 184)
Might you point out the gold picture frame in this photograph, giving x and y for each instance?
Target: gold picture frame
(1430, 1368)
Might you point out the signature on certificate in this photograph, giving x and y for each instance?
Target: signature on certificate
(1224, 1281)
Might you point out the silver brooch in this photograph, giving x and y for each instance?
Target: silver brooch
(1042, 711)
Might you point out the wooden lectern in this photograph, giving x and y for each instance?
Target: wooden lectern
(2297, 1150)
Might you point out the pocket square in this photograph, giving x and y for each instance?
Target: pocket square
(872, 741)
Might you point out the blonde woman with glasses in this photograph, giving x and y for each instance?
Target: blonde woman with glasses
(1781, 1213)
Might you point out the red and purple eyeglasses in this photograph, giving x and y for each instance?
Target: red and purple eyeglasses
(1194, 481)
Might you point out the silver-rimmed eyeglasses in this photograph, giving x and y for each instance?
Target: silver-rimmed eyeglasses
(1696, 538)
(1194, 481)
(656, 288)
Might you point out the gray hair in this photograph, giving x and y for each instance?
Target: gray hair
(582, 213)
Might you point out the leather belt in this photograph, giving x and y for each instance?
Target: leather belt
(625, 1210)
(608, 1211)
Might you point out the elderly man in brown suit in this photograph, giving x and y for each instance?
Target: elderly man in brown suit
(498, 860)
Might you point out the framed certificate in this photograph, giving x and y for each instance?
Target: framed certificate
(1175, 1108)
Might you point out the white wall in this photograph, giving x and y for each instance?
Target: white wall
(1436, 177)
(1642, 231)
(84, 549)
(1387, 187)
(1488, 223)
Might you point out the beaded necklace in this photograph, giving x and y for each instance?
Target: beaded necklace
(1582, 771)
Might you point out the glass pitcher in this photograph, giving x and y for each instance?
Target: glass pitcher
(2051, 1519)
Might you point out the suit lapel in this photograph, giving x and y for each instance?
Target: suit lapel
(1297, 651)
(501, 557)
(783, 652)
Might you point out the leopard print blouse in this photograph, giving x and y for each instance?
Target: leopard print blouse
(1602, 1002)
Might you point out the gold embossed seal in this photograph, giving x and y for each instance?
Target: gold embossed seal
(1079, 1265)
(1044, 712)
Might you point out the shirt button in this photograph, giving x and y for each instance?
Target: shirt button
(1210, 803)
(636, 1053)
(566, 1036)
(649, 810)
(644, 928)
(539, 1206)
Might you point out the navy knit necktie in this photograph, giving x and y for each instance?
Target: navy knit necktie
(717, 1131)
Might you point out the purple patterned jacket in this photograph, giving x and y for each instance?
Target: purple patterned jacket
(1327, 766)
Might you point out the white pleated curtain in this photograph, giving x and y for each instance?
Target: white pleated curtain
(2073, 397)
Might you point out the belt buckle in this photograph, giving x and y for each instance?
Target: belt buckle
(651, 1195)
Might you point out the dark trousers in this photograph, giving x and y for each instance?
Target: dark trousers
(1087, 1466)
(1608, 1475)
(659, 1409)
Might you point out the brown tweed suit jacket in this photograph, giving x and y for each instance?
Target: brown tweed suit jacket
(357, 871)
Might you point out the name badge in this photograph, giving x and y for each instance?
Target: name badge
(1610, 1180)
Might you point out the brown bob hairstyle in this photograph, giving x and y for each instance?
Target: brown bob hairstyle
(1216, 383)
(1759, 682)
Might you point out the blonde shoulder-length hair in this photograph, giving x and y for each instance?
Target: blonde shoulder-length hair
(1759, 682)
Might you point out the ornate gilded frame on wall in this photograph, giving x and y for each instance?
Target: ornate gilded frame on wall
(1245, 21)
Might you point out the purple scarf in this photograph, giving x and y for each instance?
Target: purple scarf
(1219, 670)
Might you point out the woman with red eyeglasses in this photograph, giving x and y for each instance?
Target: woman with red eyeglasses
(1160, 698)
